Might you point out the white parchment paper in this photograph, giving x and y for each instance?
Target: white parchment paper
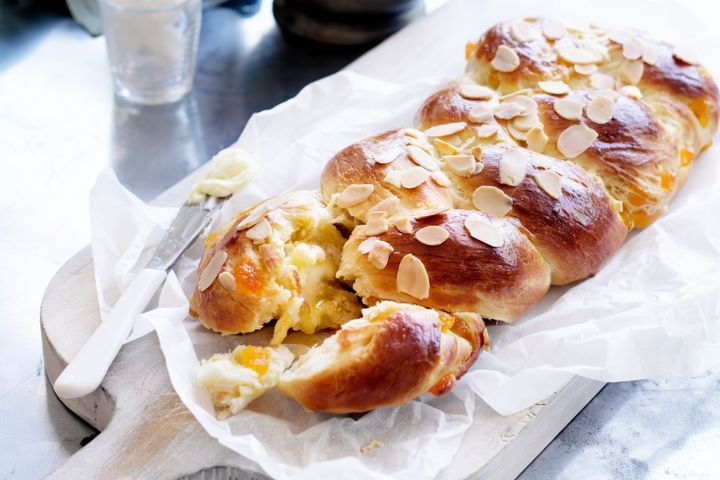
(652, 311)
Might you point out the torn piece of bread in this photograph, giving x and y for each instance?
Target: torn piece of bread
(237, 378)
(392, 354)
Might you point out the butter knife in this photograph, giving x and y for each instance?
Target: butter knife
(89, 366)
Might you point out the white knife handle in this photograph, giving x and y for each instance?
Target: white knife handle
(88, 367)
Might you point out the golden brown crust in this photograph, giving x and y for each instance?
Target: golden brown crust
(575, 233)
(466, 275)
(356, 165)
(392, 355)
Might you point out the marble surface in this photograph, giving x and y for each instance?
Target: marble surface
(60, 126)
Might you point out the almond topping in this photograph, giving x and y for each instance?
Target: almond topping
(512, 167)
(575, 140)
(432, 235)
(483, 230)
(536, 139)
(389, 205)
(522, 31)
(354, 194)
(445, 129)
(491, 200)
(505, 60)
(506, 111)
(412, 278)
(685, 55)
(516, 133)
(463, 165)
(445, 148)
(476, 92)
(649, 55)
(389, 156)
(602, 81)
(587, 69)
(526, 122)
(227, 281)
(403, 225)
(632, 49)
(422, 158)
(260, 231)
(528, 103)
(441, 179)
(421, 144)
(413, 177)
(631, 71)
(568, 109)
(631, 91)
(579, 55)
(413, 132)
(376, 223)
(380, 254)
(480, 114)
(211, 270)
(429, 212)
(554, 87)
(553, 30)
(253, 217)
(550, 182)
(367, 245)
(486, 131)
(600, 109)
(394, 178)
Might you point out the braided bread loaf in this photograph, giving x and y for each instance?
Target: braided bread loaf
(528, 171)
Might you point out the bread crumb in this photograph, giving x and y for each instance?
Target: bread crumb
(372, 445)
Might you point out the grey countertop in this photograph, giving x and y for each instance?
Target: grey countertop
(60, 126)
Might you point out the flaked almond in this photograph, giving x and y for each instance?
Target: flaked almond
(516, 133)
(479, 167)
(413, 177)
(227, 280)
(587, 69)
(554, 87)
(421, 144)
(480, 114)
(619, 36)
(413, 132)
(422, 158)
(376, 223)
(579, 55)
(486, 131)
(568, 108)
(259, 231)
(432, 235)
(390, 205)
(476, 92)
(354, 194)
(389, 156)
(631, 71)
(253, 217)
(522, 91)
(429, 212)
(685, 55)
(445, 129)
(394, 178)
(462, 165)
(367, 245)
(512, 167)
(553, 30)
(491, 200)
(602, 81)
(529, 104)
(536, 139)
(600, 109)
(445, 148)
(440, 178)
(611, 94)
(212, 270)
(575, 139)
(632, 48)
(412, 278)
(483, 230)
(403, 224)
(380, 254)
(505, 60)
(550, 182)
(526, 122)
(522, 31)
(506, 111)
(649, 55)
(631, 91)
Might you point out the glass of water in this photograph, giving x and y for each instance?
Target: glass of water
(152, 46)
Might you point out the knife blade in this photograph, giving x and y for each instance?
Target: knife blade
(89, 366)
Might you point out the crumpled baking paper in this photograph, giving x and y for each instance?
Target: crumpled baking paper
(652, 311)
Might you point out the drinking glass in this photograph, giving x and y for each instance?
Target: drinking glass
(152, 47)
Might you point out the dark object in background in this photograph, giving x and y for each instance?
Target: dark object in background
(345, 22)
